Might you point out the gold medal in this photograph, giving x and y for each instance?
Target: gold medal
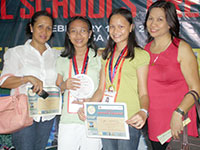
(111, 88)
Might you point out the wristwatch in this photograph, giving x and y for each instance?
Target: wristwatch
(180, 111)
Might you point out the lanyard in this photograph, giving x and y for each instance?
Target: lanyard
(83, 71)
(84, 66)
(112, 71)
(119, 75)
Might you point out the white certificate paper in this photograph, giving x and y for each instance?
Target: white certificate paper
(44, 107)
(106, 120)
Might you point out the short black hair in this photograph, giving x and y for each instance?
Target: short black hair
(34, 19)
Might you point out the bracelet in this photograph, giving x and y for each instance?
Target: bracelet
(60, 84)
(180, 111)
(144, 110)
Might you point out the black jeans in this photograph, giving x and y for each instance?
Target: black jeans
(158, 146)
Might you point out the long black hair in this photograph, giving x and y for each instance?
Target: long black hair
(131, 38)
(34, 18)
(171, 17)
(69, 50)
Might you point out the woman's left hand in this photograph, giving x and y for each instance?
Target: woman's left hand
(176, 125)
(80, 112)
(138, 120)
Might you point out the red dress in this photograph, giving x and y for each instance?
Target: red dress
(166, 87)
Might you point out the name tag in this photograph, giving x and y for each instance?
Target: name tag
(109, 96)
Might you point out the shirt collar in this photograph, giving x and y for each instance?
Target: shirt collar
(29, 41)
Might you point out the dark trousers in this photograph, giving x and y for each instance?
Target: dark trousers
(158, 146)
(117, 144)
(34, 137)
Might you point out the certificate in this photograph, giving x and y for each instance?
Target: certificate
(106, 120)
(167, 135)
(44, 107)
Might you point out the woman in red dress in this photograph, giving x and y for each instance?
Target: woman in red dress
(173, 71)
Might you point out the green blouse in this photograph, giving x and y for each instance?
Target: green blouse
(93, 70)
(128, 90)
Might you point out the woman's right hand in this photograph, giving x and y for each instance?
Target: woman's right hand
(81, 114)
(37, 83)
(72, 84)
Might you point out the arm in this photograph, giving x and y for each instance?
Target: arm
(14, 82)
(97, 96)
(69, 84)
(138, 120)
(60, 82)
(12, 64)
(189, 68)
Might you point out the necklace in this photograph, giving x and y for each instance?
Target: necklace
(154, 61)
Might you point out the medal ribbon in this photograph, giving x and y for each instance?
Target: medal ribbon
(83, 71)
(84, 66)
(70, 74)
(119, 75)
(112, 71)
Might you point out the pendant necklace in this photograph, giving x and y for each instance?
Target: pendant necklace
(154, 61)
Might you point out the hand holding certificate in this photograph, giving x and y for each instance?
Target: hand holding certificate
(106, 120)
(166, 135)
(51, 105)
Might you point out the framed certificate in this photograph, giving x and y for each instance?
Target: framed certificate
(106, 120)
(44, 107)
